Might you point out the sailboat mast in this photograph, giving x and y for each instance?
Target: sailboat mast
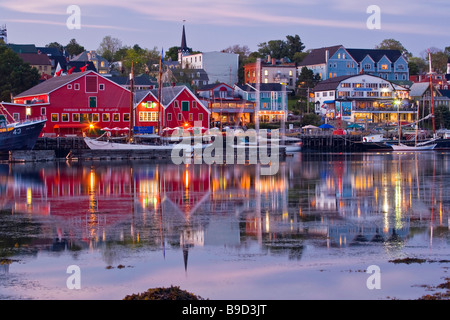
(130, 130)
(431, 93)
(161, 115)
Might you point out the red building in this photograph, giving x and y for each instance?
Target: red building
(182, 108)
(76, 103)
(88, 102)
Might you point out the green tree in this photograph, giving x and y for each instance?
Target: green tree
(108, 48)
(73, 48)
(279, 49)
(16, 76)
(56, 45)
(171, 54)
(392, 44)
(417, 65)
(442, 117)
(141, 59)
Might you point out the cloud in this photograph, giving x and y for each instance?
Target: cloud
(344, 14)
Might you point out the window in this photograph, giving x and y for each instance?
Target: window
(194, 104)
(43, 111)
(169, 117)
(75, 117)
(185, 106)
(177, 104)
(290, 73)
(146, 116)
(266, 72)
(105, 117)
(16, 117)
(101, 87)
(191, 117)
(76, 86)
(65, 117)
(384, 67)
(86, 117)
(92, 102)
(55, 117)
(69, 87)
(200, 117)
(367, 66)
(346, 85)
(325, 94)
(116, 117)
(95, 117)
(126, 117)
(179, 117)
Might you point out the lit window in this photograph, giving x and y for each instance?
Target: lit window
(65, 117)
(384, 67)
(105, 117)
(55, 117)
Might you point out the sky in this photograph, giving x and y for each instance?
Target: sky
(213, 25)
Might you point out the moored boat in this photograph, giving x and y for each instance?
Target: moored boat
(20, 135)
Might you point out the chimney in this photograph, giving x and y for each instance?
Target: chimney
(268, 59)
(274, 61)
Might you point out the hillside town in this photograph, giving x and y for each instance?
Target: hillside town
(337, 86)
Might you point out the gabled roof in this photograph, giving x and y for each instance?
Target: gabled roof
(35, 59)
(169, 94)
(375, 54)
(212, 86)
(252, 87)
(54, 52)
(418, 89)
(23, 48)
(55, 83)
(318, 56)
(331, 84)
(89, 56)
(79, 64)
(141, 94)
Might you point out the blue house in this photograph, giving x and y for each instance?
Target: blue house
(272, 99)
(387, 64)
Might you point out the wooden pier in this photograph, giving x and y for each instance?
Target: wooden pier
(332, 143)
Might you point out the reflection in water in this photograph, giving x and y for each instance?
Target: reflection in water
(318, 200)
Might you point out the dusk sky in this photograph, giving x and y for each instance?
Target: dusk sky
(215, 25)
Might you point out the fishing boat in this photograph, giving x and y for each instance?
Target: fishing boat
(19, 135)
(403, 147)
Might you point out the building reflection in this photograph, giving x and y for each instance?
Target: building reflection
(323, 200)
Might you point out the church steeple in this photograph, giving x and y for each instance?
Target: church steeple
(183, 50)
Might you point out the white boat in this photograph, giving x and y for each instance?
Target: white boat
(292, 144)
(95, 144)
(403, 147)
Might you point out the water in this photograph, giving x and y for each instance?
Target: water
(224, 232)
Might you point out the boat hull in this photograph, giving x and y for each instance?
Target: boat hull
(412, 148)
(21, 137)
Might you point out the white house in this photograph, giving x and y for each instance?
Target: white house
(221, 67)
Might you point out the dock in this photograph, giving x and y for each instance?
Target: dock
(331, 143)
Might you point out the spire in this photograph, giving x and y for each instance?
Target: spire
(183, 47)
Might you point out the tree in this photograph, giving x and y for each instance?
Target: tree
(73, 48)
(439, 59)
(108, 47)
(56, 45)
(172, 54)
(141, 59)
(416, 65)
(392, 44)
(279, 49)
(16, 76)
(442, 117)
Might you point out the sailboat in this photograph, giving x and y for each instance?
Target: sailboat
(424, 145)
(18, 135)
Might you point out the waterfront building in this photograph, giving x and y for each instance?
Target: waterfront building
(272, 100)
(182, 108)
(227, 108)
(421, 93)
(336, 61)
(271, 70)
(365, 99)
(87, 101)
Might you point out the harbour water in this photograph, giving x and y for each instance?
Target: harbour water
(314, 230)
